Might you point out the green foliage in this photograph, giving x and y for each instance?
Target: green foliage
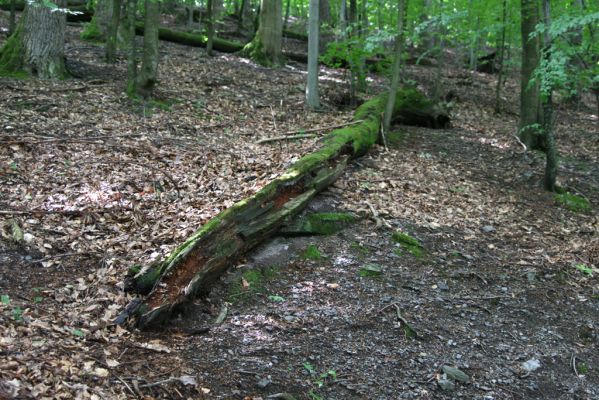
(573, 202)
(584, 269)
(91, 31)
(251, 283)
(327, 223)
(370, 271)
(312, 253)
(409, 244)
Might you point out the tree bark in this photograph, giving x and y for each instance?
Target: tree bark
(395, 71)
(210, 26)
(113, 29)
(148, 73)
(37, 46)
(312, 100)
(12, 21)
(198, 262)
(530, 106)
(324, 12)
(266, 48)
(501, 49)
(131, 11)
(551, 159)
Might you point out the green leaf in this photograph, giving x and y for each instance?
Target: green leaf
(309, 367)
(5, 299)
(78, 332)
(276, 298)
(585, 269)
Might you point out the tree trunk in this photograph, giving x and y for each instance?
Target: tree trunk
(148, 72)
(37, 46)
(551, 158)
(12, 21)
(324, 12)
(111, 39)
(530, 106)
(103, 16)
(312, 100)
(401, 7)
(287, 10)
(266, 48)
(131, 11)
(501, 49)
(210, 26)
(196, 264)
(343, 18)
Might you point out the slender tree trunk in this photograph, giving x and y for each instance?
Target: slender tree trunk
(312, 100)
(210, 26)
(103, 16)
(324, 12)
(438, 86)
(501, 57)
(12, 21)
(548, 132)
(148, 72)
(343, 18)
(396, 70)
(131, 11)
(428, 40)
(530, 107)
(113, 30)
(287, 9)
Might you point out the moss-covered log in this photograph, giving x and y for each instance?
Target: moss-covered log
(190, 39)
(194, 265)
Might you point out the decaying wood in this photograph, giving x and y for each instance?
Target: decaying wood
(195, 265)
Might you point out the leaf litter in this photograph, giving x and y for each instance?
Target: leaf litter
(97, 183)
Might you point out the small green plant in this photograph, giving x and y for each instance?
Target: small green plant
(91, 32)
(78, 332)
(276, 299)
(573, 202)
(584, 269)
(408, 243)
(362, 251)
(319, 380)
(251, 283)
(5, 299)
(312, 253)
(582, 368)
(17, 313)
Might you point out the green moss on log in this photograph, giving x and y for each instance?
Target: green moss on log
(319, 224)
(408, 243)
(192, 39)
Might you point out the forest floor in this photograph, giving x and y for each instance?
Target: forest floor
(506, 288)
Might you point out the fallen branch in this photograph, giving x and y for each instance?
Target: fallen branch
(305, 133)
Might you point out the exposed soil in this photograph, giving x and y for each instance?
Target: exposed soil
(499, 290)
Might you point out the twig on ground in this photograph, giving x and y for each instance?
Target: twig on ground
(383, 133)
(573, 363)
(65, 212)
(286, 137)
(521, 144)
(375, 215)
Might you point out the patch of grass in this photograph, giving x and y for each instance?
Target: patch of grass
(409, 244)
(582, 368)
(250, 283)
(584, 269)
(362, 251)
(91, 32)
(312, 253)
(573, 202)
(328, 223)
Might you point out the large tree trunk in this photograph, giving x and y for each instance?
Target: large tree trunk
(266, 48)
(198, 262)
(312, 100)
(530, 105)
(148, 72)
(37, 46)
(210, 17)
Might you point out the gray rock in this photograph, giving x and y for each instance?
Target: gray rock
(488, 229)
(446, 385)
(455, 374)
(531, 365)
(264, 382)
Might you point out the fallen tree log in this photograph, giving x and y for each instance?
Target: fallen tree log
(192, 267)
(191, 39)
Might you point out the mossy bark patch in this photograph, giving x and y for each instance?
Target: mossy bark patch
(319, 224)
